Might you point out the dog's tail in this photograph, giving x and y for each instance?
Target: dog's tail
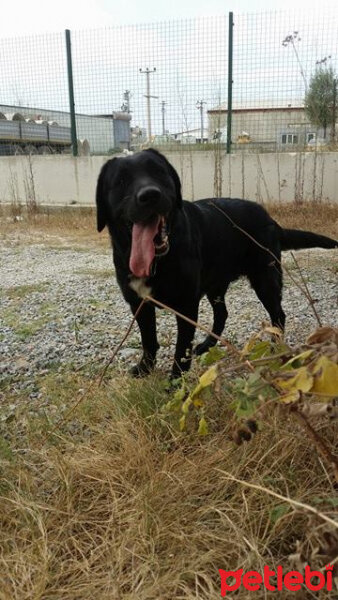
(296, 239)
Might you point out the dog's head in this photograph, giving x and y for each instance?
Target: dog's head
(137, 196)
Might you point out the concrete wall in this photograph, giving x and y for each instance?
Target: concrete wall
(261, 177)
(58, 180)
(64, 180)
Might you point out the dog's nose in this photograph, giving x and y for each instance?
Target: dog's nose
(148, 194)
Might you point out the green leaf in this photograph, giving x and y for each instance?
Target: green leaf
(209, 376)
(180, 394)
(244, 405)
(213, 355)
(260, 350)
(297, 359)
(182, 423)
(332, 501)
(186, 405)
(205, 380)
(278, 511)
(203, 427)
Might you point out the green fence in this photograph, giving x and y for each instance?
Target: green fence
(260, 82)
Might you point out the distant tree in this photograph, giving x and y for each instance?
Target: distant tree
(320, 98)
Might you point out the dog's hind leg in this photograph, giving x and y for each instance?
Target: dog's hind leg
(185, 336)
(220, 316)
(146, 320)
(268, 284)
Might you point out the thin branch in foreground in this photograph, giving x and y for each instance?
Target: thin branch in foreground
(294, 503)
(317, 441)
(221, 340)
(99, 378)
(305, 291)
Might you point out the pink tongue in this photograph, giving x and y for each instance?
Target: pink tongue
(142, 248)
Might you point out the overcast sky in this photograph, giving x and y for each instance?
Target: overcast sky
(190, 55)
(38, 16)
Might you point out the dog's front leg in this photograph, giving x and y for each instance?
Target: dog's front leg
(185, 336)
(146, 320)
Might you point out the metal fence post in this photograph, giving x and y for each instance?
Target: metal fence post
(230, 56)
(71, 93)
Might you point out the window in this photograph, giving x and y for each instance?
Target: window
(310, 136)
(289, 138)
(292, 138)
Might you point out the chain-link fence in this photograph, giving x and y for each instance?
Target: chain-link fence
(177, 84)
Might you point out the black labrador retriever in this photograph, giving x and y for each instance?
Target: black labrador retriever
(183, 250)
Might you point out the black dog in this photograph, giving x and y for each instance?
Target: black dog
(182, 250)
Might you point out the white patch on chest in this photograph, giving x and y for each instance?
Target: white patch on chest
(138, 285)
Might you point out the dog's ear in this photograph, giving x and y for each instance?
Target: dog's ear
(173, 174)
(101, 195)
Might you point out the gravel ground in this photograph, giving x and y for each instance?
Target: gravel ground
(60, 305)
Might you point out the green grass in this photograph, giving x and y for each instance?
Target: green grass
(29, 329)
(21, 291)
(26, 330)
(67, 248)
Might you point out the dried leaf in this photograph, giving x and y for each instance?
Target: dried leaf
(273, 330)
(290, 397)
(322, 335)
(319, 409)
(326, 377)
(298, 379)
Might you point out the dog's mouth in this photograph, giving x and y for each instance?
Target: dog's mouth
(161, 240)
(148, 240)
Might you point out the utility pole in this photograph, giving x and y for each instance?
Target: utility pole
(334, 112)
(199, 106)
(147, 71)
(230, 80)
(163, 103)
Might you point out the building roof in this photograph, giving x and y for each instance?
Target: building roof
(197, 131)
(260, 106)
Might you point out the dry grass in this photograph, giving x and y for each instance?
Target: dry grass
(117, 505)
(80, 223)
(68, 225)
(319, 217)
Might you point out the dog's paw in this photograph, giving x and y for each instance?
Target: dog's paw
(138, 371)
(143, 369)
(208, 343)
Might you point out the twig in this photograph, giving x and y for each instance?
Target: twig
(221, 340)
(100, 377)
(307, 291)
(122, 341)
(304, 291)
(318, 442)
(294, 503)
